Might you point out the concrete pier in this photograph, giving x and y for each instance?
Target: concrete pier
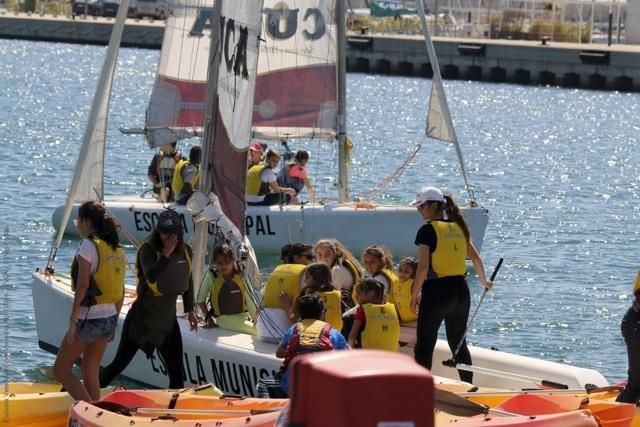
(592, 66)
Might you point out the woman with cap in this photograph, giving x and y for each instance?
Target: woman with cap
(163, 265)
(255, 155)
(444, 243)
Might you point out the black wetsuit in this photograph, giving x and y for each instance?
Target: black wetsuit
(151, 322)
(630, 327)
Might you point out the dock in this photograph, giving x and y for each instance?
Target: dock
(593, 66)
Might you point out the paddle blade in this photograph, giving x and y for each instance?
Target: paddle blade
(453, 404)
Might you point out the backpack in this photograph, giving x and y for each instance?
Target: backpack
(307, 342)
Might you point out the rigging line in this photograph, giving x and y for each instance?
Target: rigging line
(392, 177)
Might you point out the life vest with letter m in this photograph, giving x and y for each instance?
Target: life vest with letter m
(177, 183)
(109, 277)
(382, 330)
(255, 186)
(285, 277)
(309, 335)
(451, 250)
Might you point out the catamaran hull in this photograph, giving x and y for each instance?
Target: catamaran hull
(234, 362)
(270, 227)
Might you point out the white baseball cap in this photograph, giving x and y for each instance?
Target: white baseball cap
(427, 194)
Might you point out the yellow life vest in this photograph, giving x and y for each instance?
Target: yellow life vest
(153, 286)
(332, 303)
(177, 183)
(285, 277)
(382, 330)
(391, 278)
(636, 287)
(355, 272)
(218, 281)
(451, 250)
(255, 186)
(401, 296)
(109, 277)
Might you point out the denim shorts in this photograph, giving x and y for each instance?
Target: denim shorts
(90, 329)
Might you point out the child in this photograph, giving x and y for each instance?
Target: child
(377, 261)
(401, 289)
(376, 324)
(225, 289)
(317, 278)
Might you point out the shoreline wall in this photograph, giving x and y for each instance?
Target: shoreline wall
(593, 66)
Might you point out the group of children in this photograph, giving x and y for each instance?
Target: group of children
(307, 306)
(368, 312)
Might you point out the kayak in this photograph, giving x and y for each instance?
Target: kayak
(36, 404)
(581, 418)
(166, 407)
(536, 403)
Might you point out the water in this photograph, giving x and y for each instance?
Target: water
(557, 169)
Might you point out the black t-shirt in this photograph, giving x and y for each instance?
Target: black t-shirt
(427, 236)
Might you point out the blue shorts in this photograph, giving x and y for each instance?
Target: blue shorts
(90, 329)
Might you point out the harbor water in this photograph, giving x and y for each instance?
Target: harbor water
(557, 169)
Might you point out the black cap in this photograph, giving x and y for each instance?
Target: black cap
(169, 222)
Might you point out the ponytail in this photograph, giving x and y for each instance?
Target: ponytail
(105, 225)
(453, 213)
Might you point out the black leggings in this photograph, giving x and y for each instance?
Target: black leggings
(445, 299)
(170, 353)
(630, 327)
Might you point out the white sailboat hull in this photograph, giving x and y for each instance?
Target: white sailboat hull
(234, 362)
(270, 227)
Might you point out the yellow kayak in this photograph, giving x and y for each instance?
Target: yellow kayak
(43, 404)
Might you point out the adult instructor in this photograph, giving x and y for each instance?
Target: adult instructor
(443, 246)
(163, 265)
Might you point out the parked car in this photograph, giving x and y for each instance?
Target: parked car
(158, 9)
(103, 8)
(93, 7)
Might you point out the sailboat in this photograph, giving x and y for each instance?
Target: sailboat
(300, 95)
(235, 361)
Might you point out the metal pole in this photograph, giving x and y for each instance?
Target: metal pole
(343, 171)
(610, 29)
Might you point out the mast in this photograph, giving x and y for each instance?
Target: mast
(211, 112)
(343, 171)
(443, 127)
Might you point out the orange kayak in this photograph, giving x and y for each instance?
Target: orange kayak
(160, 407)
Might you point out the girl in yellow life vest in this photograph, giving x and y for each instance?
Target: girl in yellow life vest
(376, 324)
(317, 278)
(100, 259)
(378, 264)
(283, 287)
(226, 291)
(346, 271)
(401, 289)
(443, 246)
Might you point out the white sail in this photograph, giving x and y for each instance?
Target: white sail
(232, 79)
(296, 93)
(177, 104)
(439, 123)
(87, 183)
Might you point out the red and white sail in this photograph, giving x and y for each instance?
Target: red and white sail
(296, 92)
(177, 104)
